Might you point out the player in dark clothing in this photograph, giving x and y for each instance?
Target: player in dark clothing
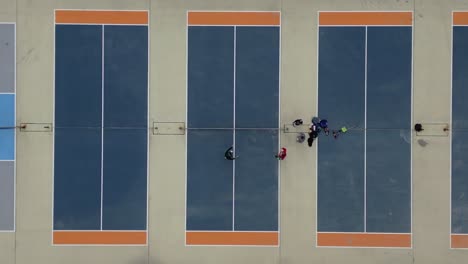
(229, 154)
(310, 140)
(297, 122)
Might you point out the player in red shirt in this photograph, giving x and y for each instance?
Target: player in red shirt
(282, 154)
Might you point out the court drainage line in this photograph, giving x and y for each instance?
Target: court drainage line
(365, 133)
(102, 122)
(234, 135)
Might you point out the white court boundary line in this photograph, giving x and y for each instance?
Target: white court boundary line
(148, 124)
(316, 112)
(186, 124)
(53, 133)
(451, 124)
(186, 121)
(54, 40)
(411, 123)
(279, 134)
(411, 135)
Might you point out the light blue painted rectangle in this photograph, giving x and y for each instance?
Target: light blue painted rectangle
(7, 144)
(7, 110)
(7, 124)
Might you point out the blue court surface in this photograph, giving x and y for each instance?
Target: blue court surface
(233, 100)
(364, 176)
(101, 128)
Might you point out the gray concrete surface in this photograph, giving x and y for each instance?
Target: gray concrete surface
(31, 243)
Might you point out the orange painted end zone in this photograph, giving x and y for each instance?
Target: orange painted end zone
(459, 241)
(100, 238)
(234, 18)
(232, 238)
(101, 17)
(460, 18)
(366, 18)
(363, 240)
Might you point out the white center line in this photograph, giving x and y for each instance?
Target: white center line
(365, 133)
(234, 137)
(102, 123)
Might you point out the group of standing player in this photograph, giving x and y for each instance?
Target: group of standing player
(316, 127)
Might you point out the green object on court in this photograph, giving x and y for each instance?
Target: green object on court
(344, 129)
